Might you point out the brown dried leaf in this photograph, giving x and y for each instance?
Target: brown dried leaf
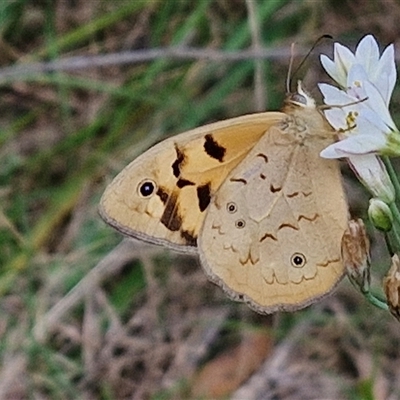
(224, 374)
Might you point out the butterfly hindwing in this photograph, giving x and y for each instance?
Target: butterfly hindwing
(272, 235)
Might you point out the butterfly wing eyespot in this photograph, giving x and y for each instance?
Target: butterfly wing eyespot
(240, 223)
(298, 260)
(231, 207)
(147, 188)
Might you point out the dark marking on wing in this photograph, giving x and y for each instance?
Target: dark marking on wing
(296, 228)
(311, 219)
(274, 189)
(163, 195)
(184, 182)
(177, 164)
(263, 177)
(263, 156)
(190, 238)
(268, 235)
(238, 180)
(204, 196)
(213, 149)
(171, 218)
(294, 194)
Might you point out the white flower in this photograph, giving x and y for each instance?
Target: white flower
(380, 71)
(368, 81)
(359, 112)
(363, 121)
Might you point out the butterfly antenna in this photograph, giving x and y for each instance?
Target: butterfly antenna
(317, 42)
(289, 73)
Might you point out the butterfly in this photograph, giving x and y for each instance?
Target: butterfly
(251, 196)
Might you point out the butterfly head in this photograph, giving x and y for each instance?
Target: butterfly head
(300, 98)
(301, 107)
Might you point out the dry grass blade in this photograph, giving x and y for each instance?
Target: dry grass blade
(108, 266)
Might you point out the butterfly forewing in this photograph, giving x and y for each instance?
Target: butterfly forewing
(163, 195)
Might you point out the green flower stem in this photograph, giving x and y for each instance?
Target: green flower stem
(364, 287)
(395, 232)
(395, 212)
(394, 243)
(376, 302)
(393, 176)
(389, 243)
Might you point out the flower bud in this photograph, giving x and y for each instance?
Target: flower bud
(392, 144)
(380, 215)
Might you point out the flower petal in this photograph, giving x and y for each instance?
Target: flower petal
(343, 58)
(369, 123)
(330, 67)
(377, 104)
(367, 52)
(330, 152)
(333, 95)
(372, 173)
(357, 75)
(385, 74)
(353, 145)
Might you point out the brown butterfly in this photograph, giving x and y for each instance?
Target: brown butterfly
(251, 196)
